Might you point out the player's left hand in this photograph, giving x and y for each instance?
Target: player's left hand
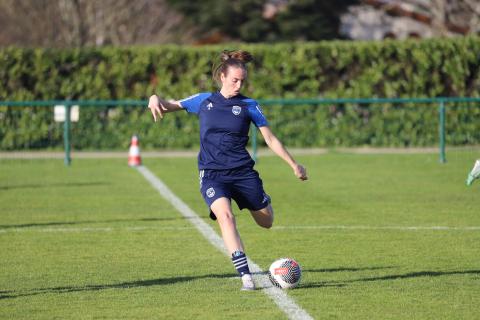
(301, 172)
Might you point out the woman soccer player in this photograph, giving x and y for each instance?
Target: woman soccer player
(225, 167)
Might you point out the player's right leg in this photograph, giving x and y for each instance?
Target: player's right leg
(222, 209)
(216, 194)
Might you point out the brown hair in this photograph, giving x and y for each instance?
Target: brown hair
(235, 58)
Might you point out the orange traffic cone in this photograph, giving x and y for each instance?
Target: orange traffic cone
(134, 159)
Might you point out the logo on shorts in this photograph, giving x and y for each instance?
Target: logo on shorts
(200, 177)
(266, 198)
(210, 192)
(236, 110)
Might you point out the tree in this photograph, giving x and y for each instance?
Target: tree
(237, 20)
(311, 19)
(74, 23)
(265, 20)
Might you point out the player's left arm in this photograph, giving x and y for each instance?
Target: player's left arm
(277, 147)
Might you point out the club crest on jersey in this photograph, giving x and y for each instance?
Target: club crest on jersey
(236, 110)
(210, 192)
(209, 106)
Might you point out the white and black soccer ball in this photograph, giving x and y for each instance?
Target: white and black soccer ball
(285, 273)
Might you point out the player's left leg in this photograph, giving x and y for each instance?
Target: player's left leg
(263, 217)
(248, 192)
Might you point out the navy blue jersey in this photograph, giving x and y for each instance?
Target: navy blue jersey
(224, 127)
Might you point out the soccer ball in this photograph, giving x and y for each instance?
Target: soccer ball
(285, 273)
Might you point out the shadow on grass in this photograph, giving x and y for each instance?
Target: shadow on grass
(68, 223)
(11, 294)
(338, 284)
(410, 275)
(58, 184)
(347, 269)
(417, 275)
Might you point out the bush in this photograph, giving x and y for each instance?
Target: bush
(337, 69)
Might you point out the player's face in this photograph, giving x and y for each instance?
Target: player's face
(232, 81)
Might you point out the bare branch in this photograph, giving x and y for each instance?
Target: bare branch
(89, 23)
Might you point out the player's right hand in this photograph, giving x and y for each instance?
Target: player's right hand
(156, 107)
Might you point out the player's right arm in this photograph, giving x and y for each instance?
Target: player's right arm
(159, 106)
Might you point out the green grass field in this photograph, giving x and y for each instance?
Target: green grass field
(97, 241)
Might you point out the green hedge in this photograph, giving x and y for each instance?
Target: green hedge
(338, 69)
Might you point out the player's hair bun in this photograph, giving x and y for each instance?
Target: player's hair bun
(235, 58)
(240, 55)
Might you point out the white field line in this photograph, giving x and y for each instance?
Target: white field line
(275, 228)
(92, 229)
(401, 228)
(193, 153)
(281, 299)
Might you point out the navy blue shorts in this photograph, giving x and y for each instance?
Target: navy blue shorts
(240, 184)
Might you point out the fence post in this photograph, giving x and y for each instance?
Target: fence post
(66, 134)
(441, 129)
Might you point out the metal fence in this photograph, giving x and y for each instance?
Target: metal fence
(440, 102)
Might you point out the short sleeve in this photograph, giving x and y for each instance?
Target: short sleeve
(256, 114)
(192, 103)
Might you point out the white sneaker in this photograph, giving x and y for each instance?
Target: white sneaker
(474, 174)
(248, 284)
